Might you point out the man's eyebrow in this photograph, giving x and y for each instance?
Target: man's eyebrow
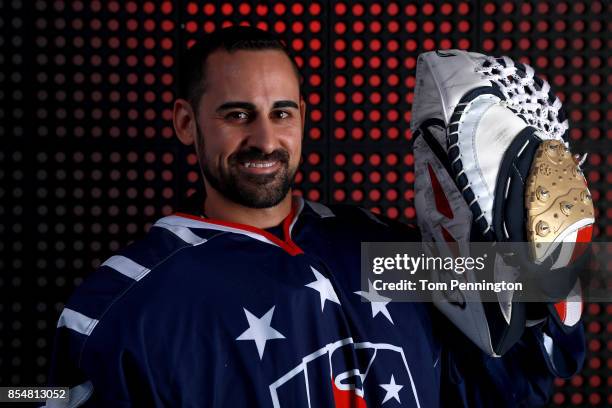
(251, 107)
(236, 105)
(285, 104)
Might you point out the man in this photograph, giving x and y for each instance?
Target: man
(252, 296)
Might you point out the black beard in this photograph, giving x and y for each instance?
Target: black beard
(250, 190)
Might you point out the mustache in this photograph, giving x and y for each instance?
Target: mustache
(254, 154)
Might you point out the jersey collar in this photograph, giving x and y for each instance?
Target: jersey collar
(194, 221)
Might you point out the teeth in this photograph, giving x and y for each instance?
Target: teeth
(259, 165)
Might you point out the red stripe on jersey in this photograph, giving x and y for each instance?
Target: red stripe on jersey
(287, 233)
(287, 244)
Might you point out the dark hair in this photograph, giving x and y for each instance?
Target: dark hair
(192, 64)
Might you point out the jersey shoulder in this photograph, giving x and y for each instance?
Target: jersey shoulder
(365, 224)
(116, 276)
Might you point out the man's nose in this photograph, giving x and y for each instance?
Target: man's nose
(263, 135)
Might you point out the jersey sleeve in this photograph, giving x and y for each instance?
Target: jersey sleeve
(99, 349)
(83, 382)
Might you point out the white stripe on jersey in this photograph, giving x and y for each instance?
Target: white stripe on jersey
(179, 224)
(76, 321)
(189, 223)
(183, 233)
(323, 211)
(126, 267)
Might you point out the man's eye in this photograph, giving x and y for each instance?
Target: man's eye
(282, 114)
(237, 116)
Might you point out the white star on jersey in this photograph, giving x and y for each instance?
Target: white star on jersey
(324, 287)
(379, 303)
(260, 330)
(392, 390)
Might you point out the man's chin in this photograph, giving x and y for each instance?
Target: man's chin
(260, 181)
(253, 190)
(259, 196)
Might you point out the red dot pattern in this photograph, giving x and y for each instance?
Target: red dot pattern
(565, 44)
(373, 57)
(93, 82)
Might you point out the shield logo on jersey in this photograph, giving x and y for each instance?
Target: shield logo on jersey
(361, 375)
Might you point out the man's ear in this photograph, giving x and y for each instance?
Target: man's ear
(303, 112)
(184, 121)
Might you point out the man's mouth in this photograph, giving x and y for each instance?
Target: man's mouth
(260, 168)
(259, 165)
(253, 162)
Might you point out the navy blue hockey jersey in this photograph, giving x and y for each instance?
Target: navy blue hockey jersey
(204, 313)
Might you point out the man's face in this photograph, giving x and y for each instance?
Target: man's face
(250, 126)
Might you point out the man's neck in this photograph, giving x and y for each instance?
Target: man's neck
(218, 207)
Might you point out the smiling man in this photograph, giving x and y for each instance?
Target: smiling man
(252, 296)
(246, 121)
